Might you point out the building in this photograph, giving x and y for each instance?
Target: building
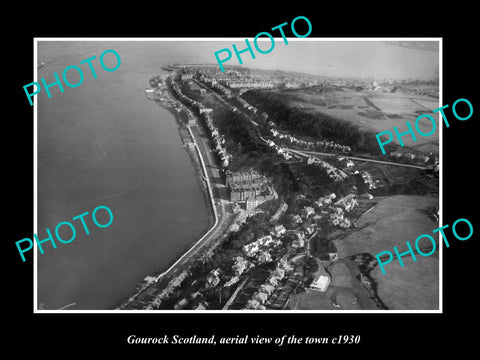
(267, 288)
(191, 120)
(251, 249)
(279, 230)
(249, 187)
(201, 306)
(347, 202)
(213, 278)
(205, 111)
(264, 257)
(309, 211)
(321, 280)
(232, 281)
(150, 94)
(251, 203)
(240, 266)
(149, 279)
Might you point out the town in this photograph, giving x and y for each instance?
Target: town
(284, 199)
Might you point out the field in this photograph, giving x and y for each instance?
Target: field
(415, 286)
(344, 293)
(372, 110)
(393, 221)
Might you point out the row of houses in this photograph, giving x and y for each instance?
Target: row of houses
(242, 176)
(281, 151)
(246, 105)
(215, 84)
(168, 290)
(324, 201)
(326, 144)
(218, 140)
(348, 202)
(260, 297)
(250, 83)
(414, 157)
(367, 178)
(332, 171)
(259, 249)
(338, 218)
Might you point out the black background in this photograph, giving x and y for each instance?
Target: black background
(381, 334)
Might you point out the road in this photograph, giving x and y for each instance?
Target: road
(306, 153)
(223, 214)
(218, 193)
(303, 152)
(199, 83)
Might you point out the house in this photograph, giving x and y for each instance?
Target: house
(150, 94)
(149, 279)
(311, 160)
(325, 200)
(347, 202)
(345, 223)
(201, 306)
(254, 305)
(251, 249)
(273, 281)
(181, 304)
(309, 230)
(265, 240)
(205, 111)
(261, 297)
(278, 274)
(279, 230)
(240, 265)
(191, 121)
(214, 277)
(267, 288)
(297, 219)
(298, 243)
(264, 257)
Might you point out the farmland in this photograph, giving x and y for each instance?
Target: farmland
(401, 288)
(370, 110)
(392, 222)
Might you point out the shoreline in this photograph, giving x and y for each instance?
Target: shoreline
(197, 163)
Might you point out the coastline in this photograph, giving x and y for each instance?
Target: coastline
(197, 163)
(194, 158)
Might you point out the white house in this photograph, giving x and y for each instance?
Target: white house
(279, 230)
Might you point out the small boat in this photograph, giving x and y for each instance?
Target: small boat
(41, 64)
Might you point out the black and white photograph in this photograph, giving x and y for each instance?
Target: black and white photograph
(215, 179)
(252, 187)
